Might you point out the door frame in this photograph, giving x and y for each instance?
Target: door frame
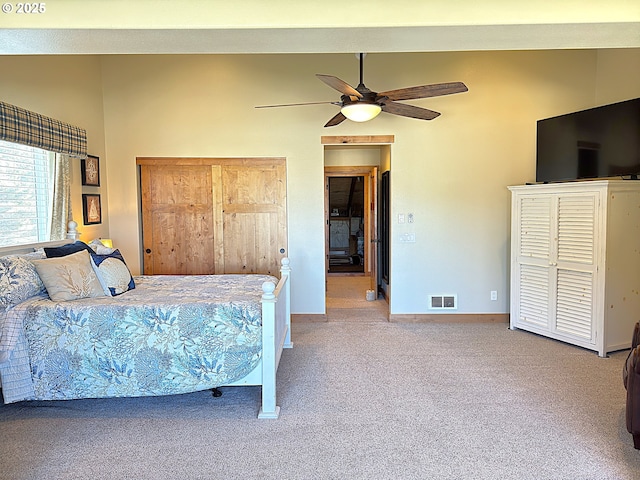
(369, 174)
(359, 140)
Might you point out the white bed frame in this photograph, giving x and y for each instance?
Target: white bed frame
(276, 329)
(276, 335)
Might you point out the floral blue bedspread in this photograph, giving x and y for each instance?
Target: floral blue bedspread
(171, 334)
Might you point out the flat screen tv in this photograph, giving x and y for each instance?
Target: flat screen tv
(600, 142)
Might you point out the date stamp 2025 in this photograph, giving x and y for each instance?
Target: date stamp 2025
(24, 8)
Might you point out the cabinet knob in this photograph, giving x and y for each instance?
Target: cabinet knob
(148, 250)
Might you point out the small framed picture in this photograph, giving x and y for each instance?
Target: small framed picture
(91, 209)
(90, 170)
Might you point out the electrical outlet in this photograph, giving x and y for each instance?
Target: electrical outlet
(401, 218)
(494, 295)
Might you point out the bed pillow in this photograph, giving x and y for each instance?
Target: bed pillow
(70, 277)
(64, 250)
(113, 273)
(19, 279)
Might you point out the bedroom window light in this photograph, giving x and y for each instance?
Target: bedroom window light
(26, 194)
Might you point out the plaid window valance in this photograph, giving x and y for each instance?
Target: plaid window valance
(18, 125)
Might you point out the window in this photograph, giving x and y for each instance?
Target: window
(26, 193)
(35, 182)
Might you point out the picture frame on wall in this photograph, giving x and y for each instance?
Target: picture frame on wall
(90, 171)
(91, 209)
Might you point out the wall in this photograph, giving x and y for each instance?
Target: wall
(204, 106)
(351, 155)
(618, 75)
(451, 173)
(68, 89)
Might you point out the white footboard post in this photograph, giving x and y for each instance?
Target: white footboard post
(269, 409)
(285, 270)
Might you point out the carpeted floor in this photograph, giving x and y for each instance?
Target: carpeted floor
(360, 400)
(346, 301)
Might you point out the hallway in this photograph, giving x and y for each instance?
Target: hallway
(346, 300)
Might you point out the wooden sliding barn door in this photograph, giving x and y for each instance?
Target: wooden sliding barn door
(179, 221)
(207, 215)
(254, 218)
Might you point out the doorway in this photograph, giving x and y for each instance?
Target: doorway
(352, 179)
(351, 242)
(346, 224)
(351, 221)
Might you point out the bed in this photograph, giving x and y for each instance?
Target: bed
(153, 335)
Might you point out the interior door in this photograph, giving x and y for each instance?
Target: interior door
(254, 217)
(207, 215)
(369, 175)
(178, 219)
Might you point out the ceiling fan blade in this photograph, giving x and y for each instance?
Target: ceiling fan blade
(424, 91)
(409, 111)
(339, 85)
(339, 118)
(298, 104)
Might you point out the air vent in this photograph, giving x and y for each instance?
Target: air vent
(443, 302)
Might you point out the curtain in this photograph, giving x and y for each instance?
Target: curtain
(18, 125)
(61, 212)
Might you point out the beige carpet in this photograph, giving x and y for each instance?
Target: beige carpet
(346, 301)
(360, 401)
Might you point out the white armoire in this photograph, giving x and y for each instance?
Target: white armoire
(575, 262)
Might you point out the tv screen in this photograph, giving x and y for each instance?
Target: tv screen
(596, 143)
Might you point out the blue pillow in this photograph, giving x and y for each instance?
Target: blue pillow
(19, 280)
(64, 250)
(113, 273)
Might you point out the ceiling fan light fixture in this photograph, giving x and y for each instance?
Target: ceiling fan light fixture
(361, 111)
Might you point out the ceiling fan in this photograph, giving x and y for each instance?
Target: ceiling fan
(361, 104)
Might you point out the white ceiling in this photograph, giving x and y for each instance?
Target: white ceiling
(309, 26)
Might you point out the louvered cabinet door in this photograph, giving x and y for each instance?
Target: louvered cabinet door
(534, 250)
(576, 266)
